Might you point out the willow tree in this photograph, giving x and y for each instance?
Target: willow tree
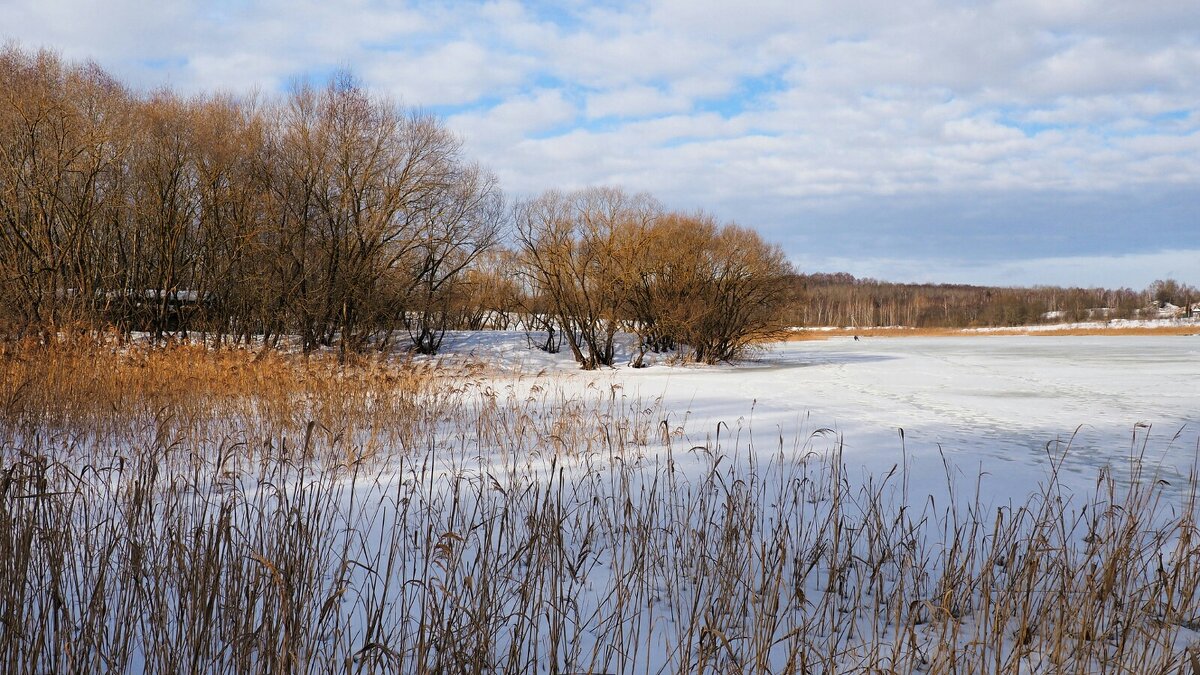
(577, 250)
(62, 153)
(742, 288)
(378, 213)
(712, 290)
(454, 227)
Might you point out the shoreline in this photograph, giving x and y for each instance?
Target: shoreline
(809, 334)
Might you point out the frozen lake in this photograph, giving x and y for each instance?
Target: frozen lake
(988, 403)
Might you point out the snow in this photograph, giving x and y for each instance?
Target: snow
(1108, 324)
(989, 402)
(988, 417)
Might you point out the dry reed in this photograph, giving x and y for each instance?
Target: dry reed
(185, 510)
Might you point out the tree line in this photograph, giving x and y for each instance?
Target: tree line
(339, 217)
(843, 300)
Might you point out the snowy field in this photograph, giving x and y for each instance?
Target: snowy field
(997, 404)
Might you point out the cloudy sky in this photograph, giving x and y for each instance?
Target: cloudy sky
(1008, 142)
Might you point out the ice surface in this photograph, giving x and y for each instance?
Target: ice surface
(997, 404)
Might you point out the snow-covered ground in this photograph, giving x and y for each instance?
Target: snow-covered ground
(996, 404)
(1165, 321)
(527, 516)
(991, 425)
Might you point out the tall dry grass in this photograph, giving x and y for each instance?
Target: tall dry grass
(101, 391)
(196, 511)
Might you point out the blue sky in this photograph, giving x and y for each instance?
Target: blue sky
(1010, 142)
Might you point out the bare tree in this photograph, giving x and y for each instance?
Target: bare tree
(457, 225)
(576, 248)
(299, 154)
(743, 285)
(491, 294)
(229, 137)
(160, 245)
(336, 215)
(717, 290)
(60, 154)
(663, 280)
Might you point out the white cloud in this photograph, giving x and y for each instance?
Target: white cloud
(732, 21)
(1097, 66)
(515, 118)
(752, 110)
(451, 74)
(635, 101)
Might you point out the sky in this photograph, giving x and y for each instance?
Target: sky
(1014, 142)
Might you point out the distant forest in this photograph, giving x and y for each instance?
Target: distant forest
(843, 300)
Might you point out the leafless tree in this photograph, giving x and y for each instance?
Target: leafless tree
(457, 224)
(375, 204)
(335, 215)
(60, 156)
(743, 287)
(577, 249)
